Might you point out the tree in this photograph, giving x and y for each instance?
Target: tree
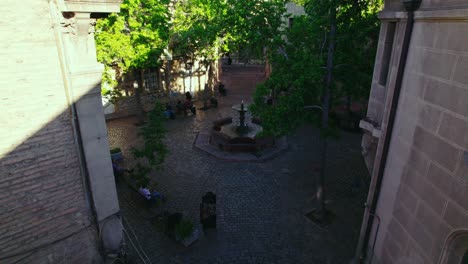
(153, 152)
(205, 29)
(358, 29)
(133, 40)
(304, 74)
(130, 42)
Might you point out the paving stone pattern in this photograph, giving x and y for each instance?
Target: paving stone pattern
(260, 206)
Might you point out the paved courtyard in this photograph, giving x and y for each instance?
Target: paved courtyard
(260, 206)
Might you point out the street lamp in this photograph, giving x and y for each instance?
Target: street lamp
(321, 214)
(188, 66)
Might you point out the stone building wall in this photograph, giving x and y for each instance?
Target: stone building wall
(42, 198)
(423, 201)
(45, 211)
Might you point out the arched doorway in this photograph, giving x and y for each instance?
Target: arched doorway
(456, 248)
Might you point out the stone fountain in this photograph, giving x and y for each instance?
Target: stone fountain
(239, 139)
(241, 128)
(239, 136)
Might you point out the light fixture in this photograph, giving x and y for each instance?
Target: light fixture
(411, 5)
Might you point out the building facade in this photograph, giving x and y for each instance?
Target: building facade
(57, 190)
(416, 136)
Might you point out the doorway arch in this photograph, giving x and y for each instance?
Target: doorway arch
(456, 248)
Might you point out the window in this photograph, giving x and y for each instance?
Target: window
(151, 80)
(291, 22)
(387, 53)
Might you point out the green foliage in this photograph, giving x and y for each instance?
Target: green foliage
(115, 150)
(296, 81)
(154, 150)
(358, 32)
(139, 175)
(184, 229)
(112, 95)
(208, 28)
(135, 38)
(298, 63)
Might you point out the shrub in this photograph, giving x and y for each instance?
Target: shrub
(184, 229)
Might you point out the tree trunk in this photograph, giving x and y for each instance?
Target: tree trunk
(159, 79)
(325, 116)
(138, 74)
(199, 82)
(349, 118)
(210, 74)
(168, 76)
(348, 102)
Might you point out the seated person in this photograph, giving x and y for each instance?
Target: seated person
(222, 91)
(145, 192)
(180, 107)
(214, 102)
(188, 96)
(116, 168)
(168, 113)
(150, 196)
(118, 171)
(189, 106)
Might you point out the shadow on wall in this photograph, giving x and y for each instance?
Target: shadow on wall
(45, 208)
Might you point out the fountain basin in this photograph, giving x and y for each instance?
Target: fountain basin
(225, 136)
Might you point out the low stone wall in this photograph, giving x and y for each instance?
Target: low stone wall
(126, 106)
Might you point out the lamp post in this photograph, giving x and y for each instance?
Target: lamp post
(167, 56)
(137, 86)
(320, 212)
(188, 66)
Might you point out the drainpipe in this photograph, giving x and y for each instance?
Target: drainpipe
(410, 6)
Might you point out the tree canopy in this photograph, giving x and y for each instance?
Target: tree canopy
(135, 38)
(299, 71)
(207, 28)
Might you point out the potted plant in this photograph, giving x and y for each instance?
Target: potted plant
(186, 232)
(116, 154)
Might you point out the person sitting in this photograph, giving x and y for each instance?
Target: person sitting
(229, 62)
(222, 91)
(188, 96)
(214, 102)
(145, 193)
(118, 171)
(168, 113)
(189, 104)
(180, 107)
(151, 196)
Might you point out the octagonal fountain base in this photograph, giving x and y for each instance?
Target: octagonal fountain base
(225, 142)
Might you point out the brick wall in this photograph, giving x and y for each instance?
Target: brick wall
(42, 197)
(424, 196)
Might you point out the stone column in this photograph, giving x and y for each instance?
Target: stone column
(84, 78)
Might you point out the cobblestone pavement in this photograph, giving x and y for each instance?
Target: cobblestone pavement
(260, 206)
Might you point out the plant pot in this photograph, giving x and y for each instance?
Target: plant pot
(117, 156)
(192, 238)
